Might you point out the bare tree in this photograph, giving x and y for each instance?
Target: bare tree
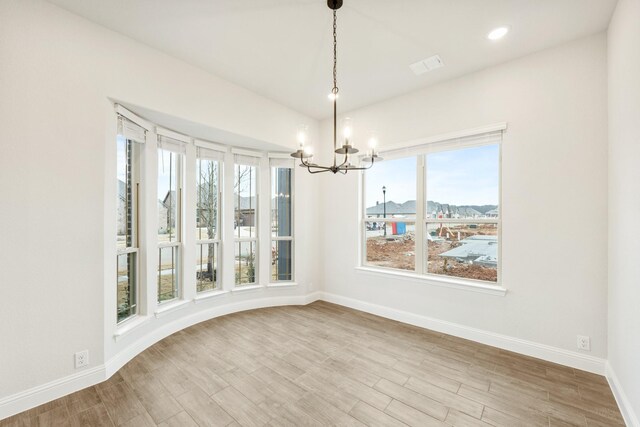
(208, 210)
(208, 203)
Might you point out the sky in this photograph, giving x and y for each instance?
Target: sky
(467, 176)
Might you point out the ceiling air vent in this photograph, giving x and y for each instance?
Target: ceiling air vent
(426, 65)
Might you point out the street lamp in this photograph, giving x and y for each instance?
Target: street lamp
(384, 208)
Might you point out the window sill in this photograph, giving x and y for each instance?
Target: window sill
(437, 281)
(170, 307)
(246, 288)
(277, 285)
(208, 295)
(129, 325)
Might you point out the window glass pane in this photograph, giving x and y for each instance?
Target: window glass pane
(207, 203)
(467, 251)
(463, 183)
(281, 266)
(168, 167)
(126, 192)
(245, 263)
(391, 245)
(126, 288)
(207, 267)
(281, 202)
(167, 273)
(390, 189)
(245, 201)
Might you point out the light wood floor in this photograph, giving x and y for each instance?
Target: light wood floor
(323, 364)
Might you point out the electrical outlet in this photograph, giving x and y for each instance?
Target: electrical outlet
(584, 343)
(82, 359)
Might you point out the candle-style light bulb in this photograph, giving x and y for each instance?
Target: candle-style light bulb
(302, 136)
(347, 128)
(373, 143)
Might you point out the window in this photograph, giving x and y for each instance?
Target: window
(462, 212)
(208, 195)
(128, 179)
(170, 160)
(441, 219)
(245, 219)
(281, 220)
(390, 217)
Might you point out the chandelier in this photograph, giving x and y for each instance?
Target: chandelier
(347, 149)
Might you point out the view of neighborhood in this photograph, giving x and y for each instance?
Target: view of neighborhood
(466, 250)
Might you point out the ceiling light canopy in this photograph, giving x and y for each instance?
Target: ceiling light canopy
(304, 154)
(498, 33)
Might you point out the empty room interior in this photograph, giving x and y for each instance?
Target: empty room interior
(320, 212)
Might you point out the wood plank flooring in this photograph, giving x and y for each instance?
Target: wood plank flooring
(321, 365)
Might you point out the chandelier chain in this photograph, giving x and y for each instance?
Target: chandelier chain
(335, 53)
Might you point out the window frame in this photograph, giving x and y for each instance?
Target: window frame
(178, 243)
(291, 237)
(217, 241)
(133, 248)
(255, 240)
(420, 152)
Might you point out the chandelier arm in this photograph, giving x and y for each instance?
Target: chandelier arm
(319, 170)
(362, 168)
(346, 160)
(304, 162)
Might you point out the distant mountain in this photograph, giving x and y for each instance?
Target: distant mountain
(409, 207)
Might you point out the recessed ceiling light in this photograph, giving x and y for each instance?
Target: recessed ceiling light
(498, 33)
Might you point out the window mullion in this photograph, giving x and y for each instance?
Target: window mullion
(421, 189)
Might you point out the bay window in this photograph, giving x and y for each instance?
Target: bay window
(281, 220)
(128, 141)
(245, 219)
(208, 194)
(170, 166)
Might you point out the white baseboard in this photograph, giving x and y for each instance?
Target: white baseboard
(44, 393)
(529, 348)
(55, 389)
(629, 415)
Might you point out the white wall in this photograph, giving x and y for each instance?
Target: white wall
(554, 197)
(57, 133)
(624, 200)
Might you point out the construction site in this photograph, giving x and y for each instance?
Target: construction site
(468, 251)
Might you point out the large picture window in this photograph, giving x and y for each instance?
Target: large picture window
(128, 246)
(390, 215)
(436, 212)
(170, 165)
(208, 193)
(245, 219)
(462, 212)
(281, 220)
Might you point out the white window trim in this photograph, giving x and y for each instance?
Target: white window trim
(434, 280)
(130, 324)
(170, 306)
(247, 287)
(207, 295)
(137, 148)
(291, 237)
(178, 243)
(420, 149)
(219, 225)
(256, 239)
